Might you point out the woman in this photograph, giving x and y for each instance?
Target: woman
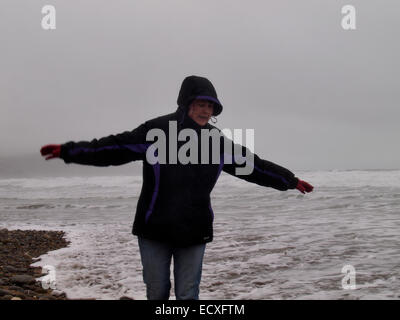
(174, 217)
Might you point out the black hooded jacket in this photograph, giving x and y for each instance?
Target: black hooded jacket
(174, 205)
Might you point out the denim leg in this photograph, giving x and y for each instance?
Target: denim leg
(188, 263)
(156, 260)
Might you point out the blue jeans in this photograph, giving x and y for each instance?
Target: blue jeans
(156, 260)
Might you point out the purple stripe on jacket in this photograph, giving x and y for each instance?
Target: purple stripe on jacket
(220, 167)
(139, 148)
(156, 168)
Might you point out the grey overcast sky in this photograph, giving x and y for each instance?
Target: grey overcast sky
(318, 97)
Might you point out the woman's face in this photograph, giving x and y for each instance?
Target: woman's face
(201, 111)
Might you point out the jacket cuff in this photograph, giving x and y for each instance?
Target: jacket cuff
(64, 153)
(293, 183)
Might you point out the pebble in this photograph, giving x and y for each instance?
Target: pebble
(4, 292)
(16, 288)
(57, 293)
(10, 269)
(23, 279)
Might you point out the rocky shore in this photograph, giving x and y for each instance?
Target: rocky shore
(18, 250)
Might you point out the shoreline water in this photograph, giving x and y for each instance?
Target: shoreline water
(268, 244)
(19, 249)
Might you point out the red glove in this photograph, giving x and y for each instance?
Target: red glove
(52, 150)
(304, 187)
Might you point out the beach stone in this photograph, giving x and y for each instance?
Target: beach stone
(46, 297)
(16, 298)
(10, 269)
(4, 292)
(7, 297)
(16, 288)
(19, 295)
(57, 293)
(31, 287)
(23, 279)
(41, 290)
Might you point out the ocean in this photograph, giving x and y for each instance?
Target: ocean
(267, 244)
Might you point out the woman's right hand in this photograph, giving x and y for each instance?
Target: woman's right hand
(51, 151)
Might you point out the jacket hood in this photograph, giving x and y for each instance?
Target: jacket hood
(194, 87)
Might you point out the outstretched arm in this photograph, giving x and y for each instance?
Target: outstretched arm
(264, 173)
(112, 150)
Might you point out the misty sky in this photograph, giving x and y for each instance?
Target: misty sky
(318, 97)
